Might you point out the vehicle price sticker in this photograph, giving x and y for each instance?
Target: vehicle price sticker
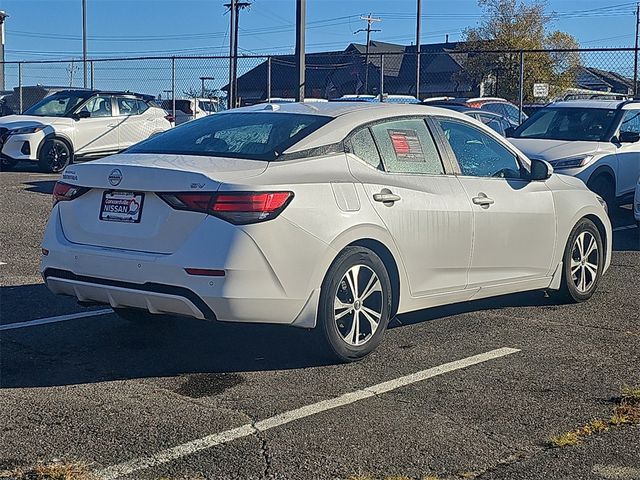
(121, 207)
(406, 145)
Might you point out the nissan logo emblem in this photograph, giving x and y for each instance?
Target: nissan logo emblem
(115, 177)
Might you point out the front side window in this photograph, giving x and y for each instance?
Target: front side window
(407, 146)
(251, 135)
(568, 123)
(631, 121)
(98, 106)
(478, 154)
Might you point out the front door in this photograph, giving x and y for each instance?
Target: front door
(628, 155)
(514, 226)
(98, 133)
(425, 209)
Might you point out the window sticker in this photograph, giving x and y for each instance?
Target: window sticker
(406, 145)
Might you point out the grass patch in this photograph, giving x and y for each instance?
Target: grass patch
(626, 411)
(54, 471)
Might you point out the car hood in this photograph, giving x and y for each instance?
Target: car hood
(552, 150)
(19, 121)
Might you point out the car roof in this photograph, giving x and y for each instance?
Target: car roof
(605, 104)
(346, 116)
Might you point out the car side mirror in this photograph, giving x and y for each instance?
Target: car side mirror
(509, 131)
(82, 114)
(540, 170)
(629, 137)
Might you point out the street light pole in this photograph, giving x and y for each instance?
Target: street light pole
(84, 41)
(635, 54)
(418, 25)
(3, 15)
(301, 7)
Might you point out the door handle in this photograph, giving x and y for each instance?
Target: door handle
(483, 200)
(386, 196)
(111, 125)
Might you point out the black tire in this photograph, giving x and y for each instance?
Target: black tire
(138, 316)
(7, 164)
(54, 156)
(335, 332)
(604, 186)
(570, 290)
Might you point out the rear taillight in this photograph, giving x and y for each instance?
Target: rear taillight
(63, 192)
(474, 104)
(239, 208)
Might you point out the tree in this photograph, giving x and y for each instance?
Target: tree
(514, 26)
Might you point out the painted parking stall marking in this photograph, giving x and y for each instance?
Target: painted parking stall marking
(59, 318)
(204, 443)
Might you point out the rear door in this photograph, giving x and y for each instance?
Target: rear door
(135, 123)
(422, 205)
(514, 226)
(98, 133)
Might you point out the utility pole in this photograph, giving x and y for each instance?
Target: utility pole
(418, 24)
(202, 79)
(635, 54)
(84, 41)
(301, 14)
(370, 21)
(3, 15)
(234, 10)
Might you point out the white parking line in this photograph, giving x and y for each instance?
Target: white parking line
(248, 429)
(60, 318)
(3, 263)
(625, 227)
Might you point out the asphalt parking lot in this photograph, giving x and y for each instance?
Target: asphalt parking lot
(187, 399)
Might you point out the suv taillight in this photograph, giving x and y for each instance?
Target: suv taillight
(63, 192)
(239, 208)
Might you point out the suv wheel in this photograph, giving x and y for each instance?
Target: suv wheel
(355, 304)
(54, 156)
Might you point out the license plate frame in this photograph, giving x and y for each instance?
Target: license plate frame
(122, 199)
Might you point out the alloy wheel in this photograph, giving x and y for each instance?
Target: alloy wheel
(584, 262)
(358, 305)
(57, 156)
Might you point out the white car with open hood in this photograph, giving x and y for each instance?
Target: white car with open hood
(333, 216)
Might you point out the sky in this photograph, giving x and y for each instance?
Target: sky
(52, 29)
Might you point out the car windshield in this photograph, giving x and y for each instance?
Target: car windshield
(585, 124)
(60, 104)
(251, 135)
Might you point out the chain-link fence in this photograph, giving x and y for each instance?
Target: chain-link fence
(522, 77)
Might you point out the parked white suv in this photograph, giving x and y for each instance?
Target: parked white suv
(78, 123)
(597, 141)
(191, 109)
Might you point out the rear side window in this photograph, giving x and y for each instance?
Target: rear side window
(251, 135)
(406, 146)
(363, 147)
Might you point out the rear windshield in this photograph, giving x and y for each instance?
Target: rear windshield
(572, 123)
(252, 135)
(183, 105)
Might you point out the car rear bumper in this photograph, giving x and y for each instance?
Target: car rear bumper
(249, 291)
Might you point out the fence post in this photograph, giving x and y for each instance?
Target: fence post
(173, 87)
(521, 85)
(20, 85)
(92, 73)
(382, 77)
(269, 79)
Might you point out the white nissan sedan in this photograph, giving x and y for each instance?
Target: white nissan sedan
(333, 216)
